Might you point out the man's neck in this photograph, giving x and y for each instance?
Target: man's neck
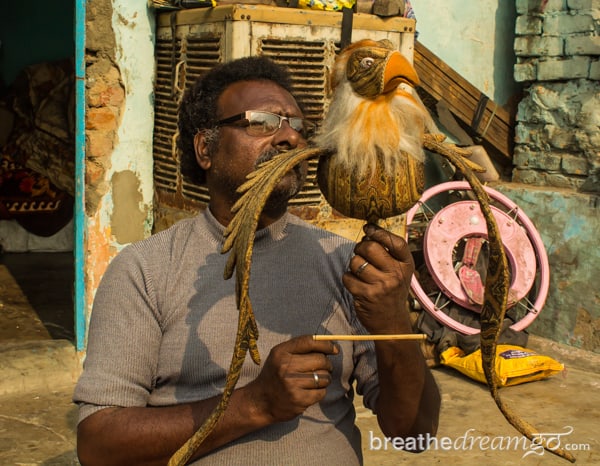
(223, 215)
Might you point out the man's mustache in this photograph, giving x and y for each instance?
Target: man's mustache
(266, 156)
(298, 170)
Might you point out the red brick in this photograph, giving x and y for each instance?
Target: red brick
(101, 118)
(99, 144)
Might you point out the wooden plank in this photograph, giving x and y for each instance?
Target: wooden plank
(442, 82)
(462, 98)
(446, 71)
(463, 103)
(274, 14)
(464, 108)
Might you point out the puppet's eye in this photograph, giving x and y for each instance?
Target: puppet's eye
(367, 62)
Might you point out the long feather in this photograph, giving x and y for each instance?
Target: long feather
(495, 297)
(239, 240)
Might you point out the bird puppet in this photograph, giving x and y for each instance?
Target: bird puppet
(371, 174)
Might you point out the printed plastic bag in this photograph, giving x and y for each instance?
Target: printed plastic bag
(514, 364)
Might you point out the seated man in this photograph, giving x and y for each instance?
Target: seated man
(164, 321)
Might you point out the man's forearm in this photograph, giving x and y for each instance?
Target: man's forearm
(409, 400)
(125, 436)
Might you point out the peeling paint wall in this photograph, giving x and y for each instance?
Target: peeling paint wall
(128, 212)
(119, 122)
(557, 157)
(131, 218)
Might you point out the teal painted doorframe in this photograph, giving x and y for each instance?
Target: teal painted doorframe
(79, 213)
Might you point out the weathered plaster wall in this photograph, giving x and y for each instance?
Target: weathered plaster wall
(119, 121)
(557, 155)
(568, 223)
(475, 39)
(558, 131)
(557, 138)
(104, 99)
(133, 24)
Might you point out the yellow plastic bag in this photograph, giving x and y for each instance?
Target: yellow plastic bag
(514, 364)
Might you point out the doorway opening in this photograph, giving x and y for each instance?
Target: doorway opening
(37, 177)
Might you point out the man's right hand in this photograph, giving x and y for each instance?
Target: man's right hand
(295, 376)
(283, 390)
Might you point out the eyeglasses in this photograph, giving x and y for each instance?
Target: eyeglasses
(259, 123)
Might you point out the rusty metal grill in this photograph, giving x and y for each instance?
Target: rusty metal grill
(307, 64)
(178, 65)
(202, 54)
(166, 167)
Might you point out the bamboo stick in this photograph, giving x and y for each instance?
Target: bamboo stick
(410, 336)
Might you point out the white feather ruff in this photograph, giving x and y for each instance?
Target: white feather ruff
(361, 130)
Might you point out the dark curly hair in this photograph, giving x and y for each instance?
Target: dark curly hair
(198, 109)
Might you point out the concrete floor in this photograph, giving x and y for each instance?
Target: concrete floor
(564, 404)
(42, 281)
(37, 418)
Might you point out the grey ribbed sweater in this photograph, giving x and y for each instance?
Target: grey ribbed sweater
(164, 322)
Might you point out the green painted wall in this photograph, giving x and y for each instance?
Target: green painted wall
(568, 223)
(474, 38)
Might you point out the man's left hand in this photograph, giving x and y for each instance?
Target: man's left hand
(379, 279)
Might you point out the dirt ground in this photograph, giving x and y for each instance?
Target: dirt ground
(473, 432)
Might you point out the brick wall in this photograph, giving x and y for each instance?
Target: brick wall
(557, 137)
(105, 100)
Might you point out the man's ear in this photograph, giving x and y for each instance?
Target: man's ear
(201, 149)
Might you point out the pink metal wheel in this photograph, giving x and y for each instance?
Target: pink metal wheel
(446, 222)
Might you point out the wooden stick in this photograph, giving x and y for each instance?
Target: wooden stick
(410, 336)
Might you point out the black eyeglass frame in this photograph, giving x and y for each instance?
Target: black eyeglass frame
(308, 127)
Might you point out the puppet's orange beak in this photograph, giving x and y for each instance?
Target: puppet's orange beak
(398, 70)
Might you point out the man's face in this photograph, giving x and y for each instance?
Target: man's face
(238, 153)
